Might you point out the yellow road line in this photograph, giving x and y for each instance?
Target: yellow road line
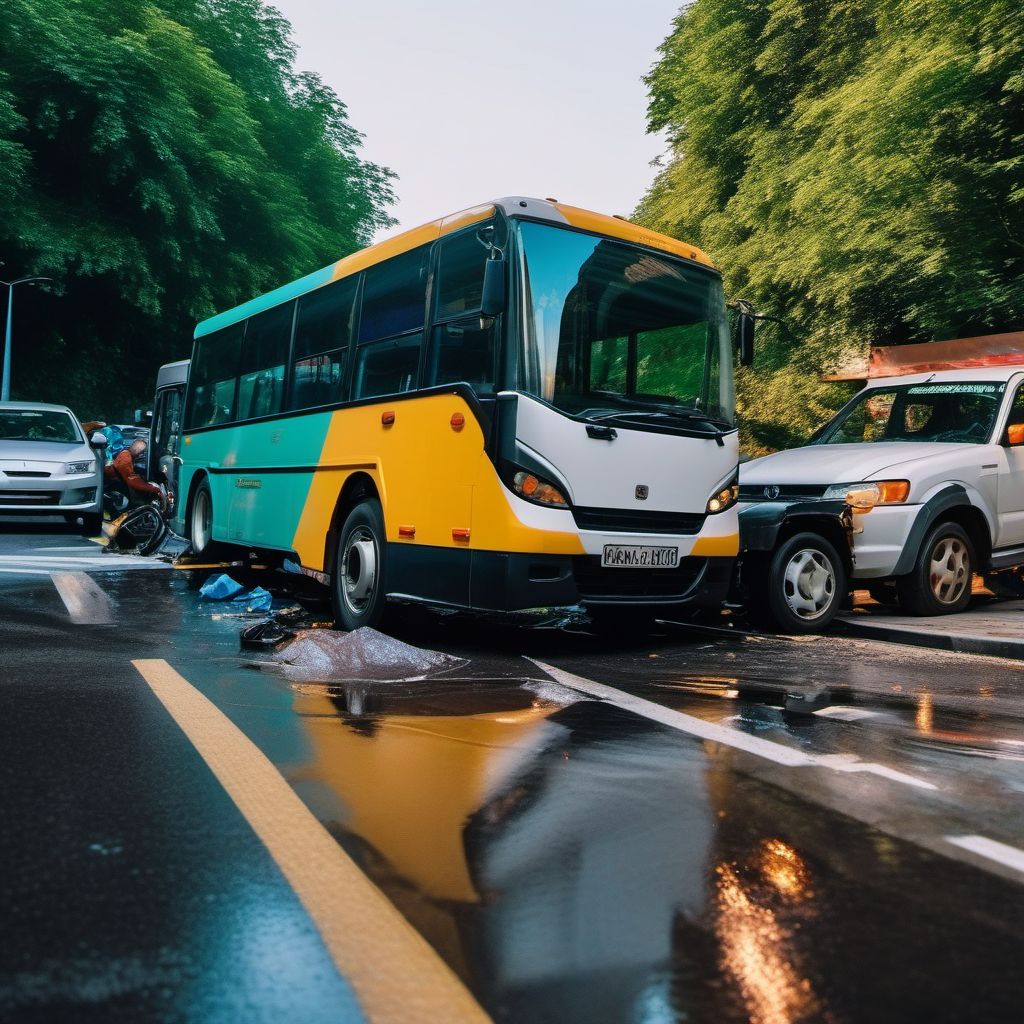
(396, 975)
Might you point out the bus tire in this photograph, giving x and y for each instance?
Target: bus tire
(358, 594)
(200, 521)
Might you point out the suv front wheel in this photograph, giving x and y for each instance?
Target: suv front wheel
(940, 582)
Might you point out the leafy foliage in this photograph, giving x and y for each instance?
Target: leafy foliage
(856, 166)
(161, 161)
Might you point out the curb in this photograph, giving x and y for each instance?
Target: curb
(959, 643)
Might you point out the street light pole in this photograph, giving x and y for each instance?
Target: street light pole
(5, 386)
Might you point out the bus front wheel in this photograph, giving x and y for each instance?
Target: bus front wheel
(201, 520)
(357, 582)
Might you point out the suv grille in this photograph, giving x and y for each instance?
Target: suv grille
(637, 520)
(24, 473)
(787, 492)
(595, 581)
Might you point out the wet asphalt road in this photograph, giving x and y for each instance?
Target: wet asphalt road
(788, 848)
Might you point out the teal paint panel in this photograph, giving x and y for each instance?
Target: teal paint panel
(289, 291)
(260, 498)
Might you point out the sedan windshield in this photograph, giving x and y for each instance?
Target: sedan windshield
(615, 331)
(37, 425)
(961, 412)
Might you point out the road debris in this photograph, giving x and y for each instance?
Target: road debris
(321, 655)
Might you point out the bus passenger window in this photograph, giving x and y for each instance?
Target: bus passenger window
(460, 275)
(212, 378)
(464, 350)
(264, 356)
(387, 367)
(323, 329)
(394, 296)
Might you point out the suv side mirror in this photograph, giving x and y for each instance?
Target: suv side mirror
(492, 302)
(1015, 434)
(745, 326)
(98, 441)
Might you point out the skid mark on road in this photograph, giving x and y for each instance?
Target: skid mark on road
(396, 975)
(767, 749)
(85, 601)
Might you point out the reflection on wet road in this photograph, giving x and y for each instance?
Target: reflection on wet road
(571, 858)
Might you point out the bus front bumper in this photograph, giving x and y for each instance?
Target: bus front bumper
(514, 582)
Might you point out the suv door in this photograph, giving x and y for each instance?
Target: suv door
(1010, 504)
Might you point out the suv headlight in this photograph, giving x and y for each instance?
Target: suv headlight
(725, 498)
(864, 497)
(80, 467)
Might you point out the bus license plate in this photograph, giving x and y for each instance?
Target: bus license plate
(634, 556)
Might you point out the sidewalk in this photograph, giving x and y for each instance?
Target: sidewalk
(989, 626)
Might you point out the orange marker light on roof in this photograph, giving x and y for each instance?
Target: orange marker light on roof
(458, 421)
(387, 417)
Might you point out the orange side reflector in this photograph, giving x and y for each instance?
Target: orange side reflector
(387, 418)
(458, 421)
(460, 533)
(1015, 433)
(407, 531)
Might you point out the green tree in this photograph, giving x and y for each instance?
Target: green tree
(161, 161)
(856, 166)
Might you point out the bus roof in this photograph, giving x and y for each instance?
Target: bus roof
(512, 206)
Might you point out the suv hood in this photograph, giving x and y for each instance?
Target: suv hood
(43, 451)
(840, 463)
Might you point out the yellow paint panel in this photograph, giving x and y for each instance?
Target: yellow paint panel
(427, 474)
(717, 547)
(629, 232)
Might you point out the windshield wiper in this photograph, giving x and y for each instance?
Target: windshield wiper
(673, 417)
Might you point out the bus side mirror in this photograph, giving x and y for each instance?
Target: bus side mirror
(492, 302)
(745, 329)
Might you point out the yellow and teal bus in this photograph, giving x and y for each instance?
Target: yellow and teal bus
(523, 405)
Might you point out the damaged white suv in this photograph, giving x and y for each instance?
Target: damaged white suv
(933, 466)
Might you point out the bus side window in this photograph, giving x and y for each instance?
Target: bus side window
(323, 330)
(391, 326)
(463, 346)
(264, 357)
(213, 376)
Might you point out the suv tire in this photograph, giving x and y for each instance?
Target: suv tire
(940, 582)
(803, 587)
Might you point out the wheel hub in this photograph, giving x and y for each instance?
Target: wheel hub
(949, 571)
(809, 584)
(359, 570)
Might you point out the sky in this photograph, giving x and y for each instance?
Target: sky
(471, 100)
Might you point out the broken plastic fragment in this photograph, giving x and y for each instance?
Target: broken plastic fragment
(257, 600)
(221, 587)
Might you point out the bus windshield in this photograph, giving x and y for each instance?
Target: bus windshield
(616, 331)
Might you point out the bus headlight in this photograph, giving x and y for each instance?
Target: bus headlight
(725, 498)
(864, 497)
(535, 488)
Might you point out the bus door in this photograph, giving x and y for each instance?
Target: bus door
(165, 439)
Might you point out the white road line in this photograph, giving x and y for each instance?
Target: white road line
(26, 572)
(86, 603)
(767, 749)
(845, 714)
(1008, 856)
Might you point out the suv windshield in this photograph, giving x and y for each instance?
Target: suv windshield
(615, 331)
(954, 412)
(37, 425)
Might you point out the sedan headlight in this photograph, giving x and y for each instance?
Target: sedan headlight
(80, 467)
(725, 498)
(864, 497)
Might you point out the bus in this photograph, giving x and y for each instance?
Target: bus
(523, 405)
